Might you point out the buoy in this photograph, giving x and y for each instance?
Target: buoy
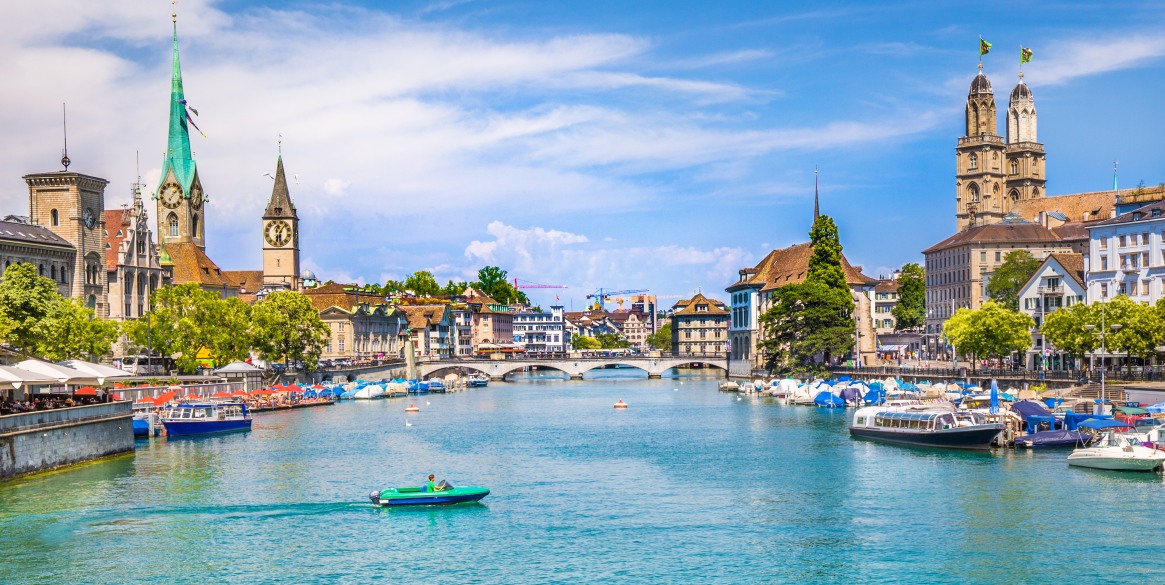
(620, 404)
(407, 423)
(412, 408)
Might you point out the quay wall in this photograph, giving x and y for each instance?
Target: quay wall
(45, 440)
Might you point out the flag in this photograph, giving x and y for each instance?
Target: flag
(1025, 55)
(189, 110)
(984, 47)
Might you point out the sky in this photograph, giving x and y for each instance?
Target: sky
(624, 145)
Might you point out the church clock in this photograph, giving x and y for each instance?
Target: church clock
(278, 233)
(196, 198)
(89, 219)
(171, 197)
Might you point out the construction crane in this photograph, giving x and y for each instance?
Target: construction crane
(536, 285)
(603, 294)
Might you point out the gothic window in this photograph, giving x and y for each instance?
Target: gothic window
(194, 224)
(974, 161)
(1014, 168)
(56, 220)
(173, 221)
(1036, 192)
(996, 188)
(973, 189)
(1014, 194)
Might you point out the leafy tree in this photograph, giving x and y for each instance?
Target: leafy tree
(1064, 329)
(453, 289)
(661, 339)
(26, 298)
(72, 331)
(422, 284)
(232, 336)
(910, 312)
(1141, 331)
(287, 326)
(493, 281)
(1017, 268)
(814, 317)
(180, 322)
(584, 342)
(612, 341)
(992, 330)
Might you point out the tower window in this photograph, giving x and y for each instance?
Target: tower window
(973, 189)
(55, 217)
(173, 221)
(194, 226)
(1014, 168)
(974, 163)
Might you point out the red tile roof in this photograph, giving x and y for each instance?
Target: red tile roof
(116, 226)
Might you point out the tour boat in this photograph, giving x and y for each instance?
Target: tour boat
(422, 496)
(477, 380)
(1118, 452)
(199, 418)
(925, 427)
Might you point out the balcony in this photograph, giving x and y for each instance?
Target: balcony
(1051, 290)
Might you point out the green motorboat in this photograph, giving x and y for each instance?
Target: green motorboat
(422, 496)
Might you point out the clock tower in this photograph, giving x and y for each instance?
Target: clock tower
(72, 206)
(179, 195)
(280, 236)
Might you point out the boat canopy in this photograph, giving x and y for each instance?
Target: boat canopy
(1027, 408)
(1094, 423)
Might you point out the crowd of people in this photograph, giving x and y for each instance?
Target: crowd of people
(49, 402)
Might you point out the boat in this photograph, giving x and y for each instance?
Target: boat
(200, 418)
(142, 412)
(417, 387)
(927, 427)
(1056, 438)
(729, 387)
(412, 408)
(369, 392)
(620, 404)
(436, 386)
(1115, 450)
(477, 380)
(827, 399)
(421, 496)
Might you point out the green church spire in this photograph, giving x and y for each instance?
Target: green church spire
(178, 156)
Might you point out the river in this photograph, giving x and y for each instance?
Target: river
(688, 485)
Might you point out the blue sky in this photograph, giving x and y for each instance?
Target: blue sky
(657, 145)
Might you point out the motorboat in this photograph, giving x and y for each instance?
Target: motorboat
(1055, 438)
(143, 412)
(1118, 452)
(477, 380)
(200, 418)
(927, 427)
(436, 386)
(369, 392)
(827, 399)
(444, 494)
(729, 387)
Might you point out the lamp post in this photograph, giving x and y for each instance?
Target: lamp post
(1102, 333)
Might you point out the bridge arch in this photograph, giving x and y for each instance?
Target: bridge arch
(571, 366)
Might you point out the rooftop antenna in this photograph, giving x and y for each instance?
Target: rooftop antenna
(65, 128)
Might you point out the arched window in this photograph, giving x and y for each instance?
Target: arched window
(973, 189)
(194, 226)
(974, 161)
(1014, 168)
(40, 269)
(1014, 195)
(53, 272)
(1036, 192)
(92, 301)
(173, 221)
(55, 217)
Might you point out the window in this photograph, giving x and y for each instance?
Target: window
(1015, 171)
(194, 225)
(1123, 241)
(1104, 290)
(1145, 259)
(341, 345)
(973, 189)
(998, 255)
(974, 162)
(1104, 262)
(54, 218)
(1145, 286)
(983, 255)
(173, 222)
(1144, 238)
(1104, 242)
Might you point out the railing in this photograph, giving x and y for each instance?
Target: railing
(1113, 375)
(1051, 290)
(203, 390)
(57, 416)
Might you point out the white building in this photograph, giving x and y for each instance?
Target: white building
(1126, 256)
(1058, 282)
(541, 332)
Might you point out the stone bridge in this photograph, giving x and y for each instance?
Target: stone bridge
(574, 367)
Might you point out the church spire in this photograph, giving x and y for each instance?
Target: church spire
(178, 157)
(280, 204)
(816, 207)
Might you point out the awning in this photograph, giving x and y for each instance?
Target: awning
(898, 347)
(14, 377)
(99, 371)
(62, 374)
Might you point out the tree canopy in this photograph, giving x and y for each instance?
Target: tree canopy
(288, 327)
(1017, 268)
(584, 342)
(910, 311)
(991, 330)
(181, 321)
(612, 341)
(36, 319)
(26, 298)
(1140, 328)
(661, 339)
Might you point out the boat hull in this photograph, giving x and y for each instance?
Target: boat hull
(188, 428)
(979, 437)
(1115, 462)
(393, 497)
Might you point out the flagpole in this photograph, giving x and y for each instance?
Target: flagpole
(980, 52)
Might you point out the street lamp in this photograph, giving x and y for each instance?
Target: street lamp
(1103, 353)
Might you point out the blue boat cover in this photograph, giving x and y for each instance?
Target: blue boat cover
(850, 394)
(1094, 423)
(1052, 439)
(828, 399)
(1158, 408)
(875, 397)
(1072, 420)
(1028, 408)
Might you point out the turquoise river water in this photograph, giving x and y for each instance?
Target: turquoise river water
(688, 485)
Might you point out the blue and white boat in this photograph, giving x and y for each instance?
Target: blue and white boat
(477, 381)
(437, 386)
(200, 418)
(142, 411)
(417, 387)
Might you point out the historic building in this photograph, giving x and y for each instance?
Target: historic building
(363, 325)
(491, 323)
(1126, 256)
(430, 327)
(1058, 282)
(134, 270)
(72, 206)
(541, 332)
(699, 326)
(52, 255)
(634, 325)
(280, 236)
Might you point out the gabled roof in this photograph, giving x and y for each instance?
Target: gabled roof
(116, 228)
(1073, 265)
(791, 266)
(190, 264)
(421, 316)
(691, 306)
(886, 285)
(340, 295)
(1143, 213)
(35, 234)
(249, 282)
(997, 233)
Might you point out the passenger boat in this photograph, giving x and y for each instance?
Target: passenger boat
(422, 496)
(925, 427)
(1117, 452)
(199, 418)
(477, 381)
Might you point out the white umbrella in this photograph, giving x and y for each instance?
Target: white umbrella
(59, 373)
(99, 371)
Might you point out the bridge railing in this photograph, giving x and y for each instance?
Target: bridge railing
(563, 356)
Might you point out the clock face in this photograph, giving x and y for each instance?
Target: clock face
(89, 219)
(278, 233)
(196, 198)
(171, 197)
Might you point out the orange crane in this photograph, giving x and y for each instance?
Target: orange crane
(603, 295)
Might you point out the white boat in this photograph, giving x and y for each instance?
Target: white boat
(729, 387)
(1117, 451)
(370, 392)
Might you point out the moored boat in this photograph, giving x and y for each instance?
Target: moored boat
(477, 380)
(200, 418)
(422, 496)
(1115, 450)
(938, 428)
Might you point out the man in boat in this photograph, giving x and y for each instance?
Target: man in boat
(431, 486)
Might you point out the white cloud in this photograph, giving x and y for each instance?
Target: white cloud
(336, 187)
(1065, 61)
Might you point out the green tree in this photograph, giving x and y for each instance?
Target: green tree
(813, 318)
(661, 339)
(288, 327)
(422, 284)
(26, 298)
(993, 330)
(1017, 268)
(232, 336)
(72, 331)
(910, 311)
(1064, 330)
(612, 341)
(1141, 329)
(181, 321)
(584, 342)
(494, 282)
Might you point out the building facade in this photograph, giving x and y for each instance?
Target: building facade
(634, 326)
(431, 330)
(133, 268)
(1126, 256)
(541, 332)
(363, 325)
(72, 206)
(1057, 283)
(52, 255)
(699, 326)
(280, 236)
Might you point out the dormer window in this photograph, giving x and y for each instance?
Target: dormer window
(278, 211)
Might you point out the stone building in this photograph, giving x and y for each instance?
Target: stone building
(635, 327)
(363, 325)
(134, 270)
(53, 255)
(541, 332)
(431, 329)
(280, 236)
(72, 206)
(491, 323)
(699, 326)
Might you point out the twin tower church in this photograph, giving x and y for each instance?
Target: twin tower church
(109, 259)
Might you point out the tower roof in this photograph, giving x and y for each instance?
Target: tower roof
(1021, 91)
(280, 204)
(980, 85)
(178, 155)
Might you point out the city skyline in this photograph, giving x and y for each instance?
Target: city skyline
(626, 147)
